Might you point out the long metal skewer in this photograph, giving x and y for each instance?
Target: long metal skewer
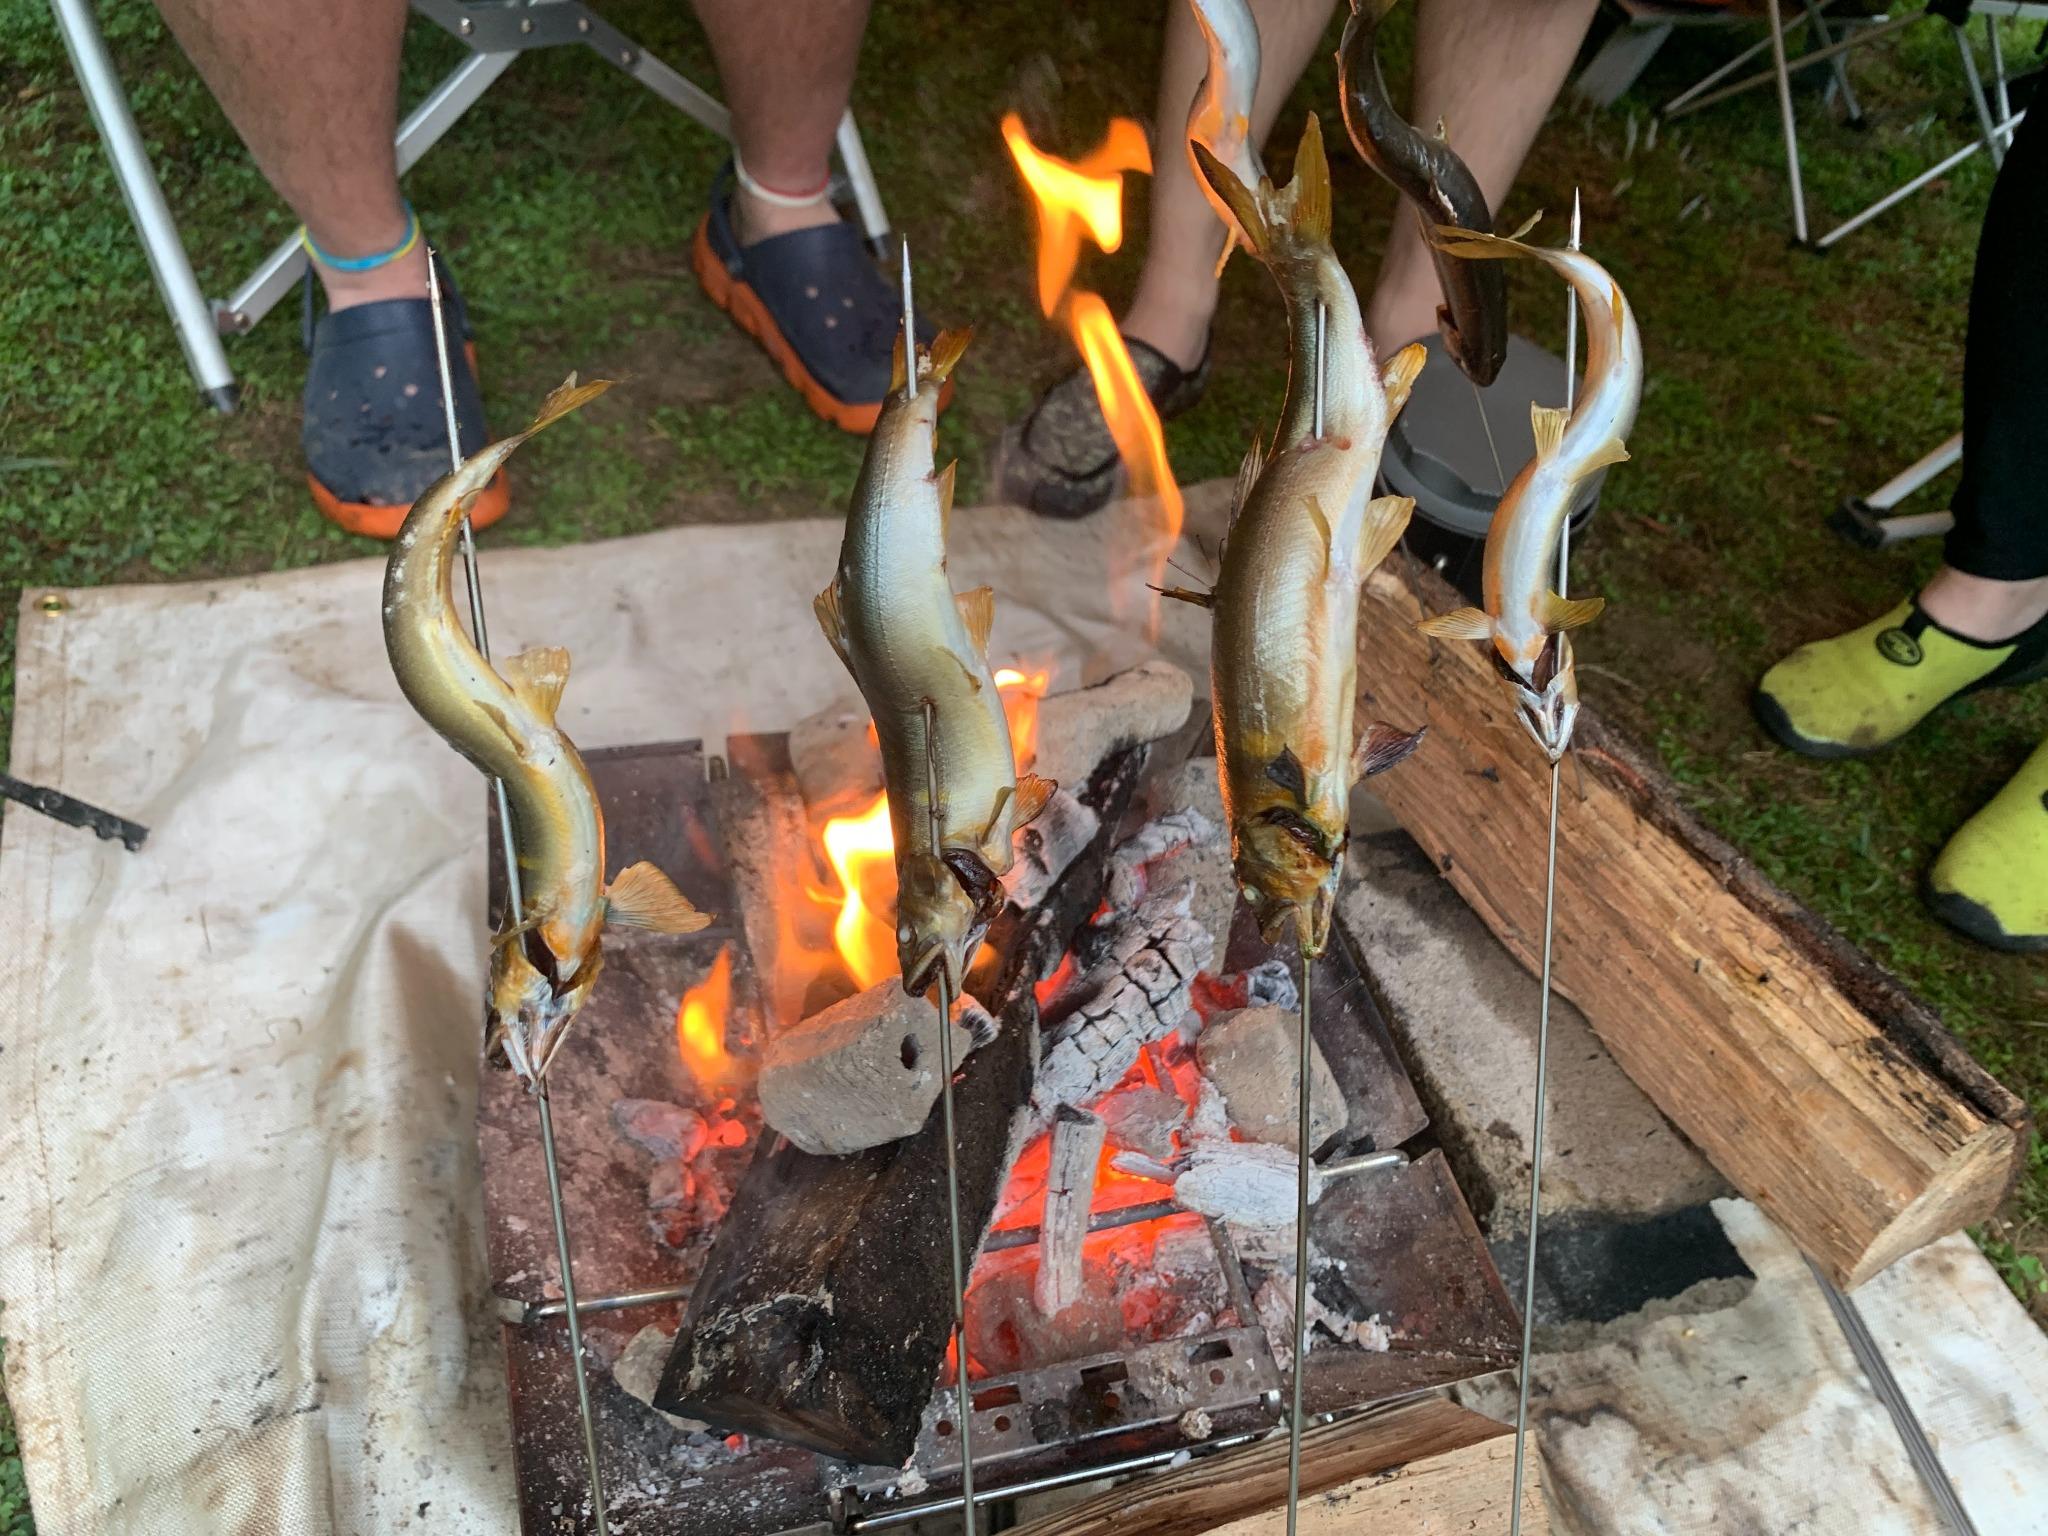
(1301, 1151)
(964, 1411)
(1540, 1114)
(516, 909)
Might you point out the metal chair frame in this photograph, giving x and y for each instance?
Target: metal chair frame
(497, 32)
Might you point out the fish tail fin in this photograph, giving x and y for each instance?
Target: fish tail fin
(1309, 191)
(1563, 614)
(643, 897)
(1240, 199)
(537, 677)
(944, 355)
(1546, 425)
(1461, 624)
(481, 467)
(1400, 374)
(1386, 519)
(1477, 245)
(899, 372)
(562, 399)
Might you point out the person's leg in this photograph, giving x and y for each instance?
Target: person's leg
(1176, 292)
(786, 72)
(1488, 70)
(312, 88)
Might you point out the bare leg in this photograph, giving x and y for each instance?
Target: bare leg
(1982, 608)
(1176, 295)
(1489, 70)
(312, 88)
(786, 71)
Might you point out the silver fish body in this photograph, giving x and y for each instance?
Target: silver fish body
(1220, 117)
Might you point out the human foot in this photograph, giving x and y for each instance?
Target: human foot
(1983, 609)
(1991, 881)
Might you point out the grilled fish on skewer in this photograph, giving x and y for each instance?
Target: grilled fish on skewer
(544, 964)
(1305, 534)
(1220, 118)
(910, 641)
(1528, 623)
(1474, 314)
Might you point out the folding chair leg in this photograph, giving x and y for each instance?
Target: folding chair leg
(1992, 141)
(1791, 126)
(860, 176)
(191, 315)
(1839, 64)
(1998, 68)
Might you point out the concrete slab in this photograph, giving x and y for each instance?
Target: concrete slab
(1464, 1012)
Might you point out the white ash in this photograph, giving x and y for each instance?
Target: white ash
(1372, 1334)
(1128, 881)
(1196, 1425)
(1271, 983)
(1248, 1183)
(1274, 1302)
(1139, 1166)
(638, 1372)
(1079, 728)
(1142, 1118)
(1047, 846)
(1211, 1119)
(661, 1129)
(837, 764)
(911, 1483)
(1133, 995)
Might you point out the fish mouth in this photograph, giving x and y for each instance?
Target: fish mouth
(1548, 712)
(925, 969)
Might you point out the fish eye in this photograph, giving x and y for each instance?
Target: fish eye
(903, 933)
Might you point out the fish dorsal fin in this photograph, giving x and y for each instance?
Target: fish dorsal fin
(1568, 613)
(1310, 189)
(1386, 519)
(1463, 624)
(1033, 795)
(899, 371)
(537, 677)
(1546, 422)
(1247, 476)
(978, 613)
(1381, 746)
(826, 606)
(947, 348)
(643, 897)
(945, 479)
(1609, 452)
(1239, 198)
(1617, 304)
(1400, 374)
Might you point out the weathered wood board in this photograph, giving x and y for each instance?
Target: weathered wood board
(1821, 1088)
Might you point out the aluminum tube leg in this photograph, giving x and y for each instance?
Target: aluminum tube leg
(1791, 127)
(1839, 63)
(1707, 82)
(1989, 128)
(860, 176)
(191, 315)
(1900, 194)
(1998, 68)
(1915, 475)
(421, 130)
(679, 91)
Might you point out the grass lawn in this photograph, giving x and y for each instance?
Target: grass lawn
(1778, 382)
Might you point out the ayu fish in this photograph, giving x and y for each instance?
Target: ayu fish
(1525, 618)
(1306, 531)
(544, 965)
(919, 653)
(1474, 315)
(1220, 118)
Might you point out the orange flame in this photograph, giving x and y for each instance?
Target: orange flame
(1021, 692)
(700, 1024)
(1089, 193)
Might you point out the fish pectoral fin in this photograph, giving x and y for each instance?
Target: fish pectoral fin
(1321, 519)
(537, 676)
(1033, 795)
(833, 622)
(1188, 595)
(1547, 423)
(1610, 452)
(944, 480)
(643, 897)
(1463, 624)
(978, 613)
(1003, 797)
(1247, 476)
(1569, 613)
(1386, 519)
(1400, 374)
(1381, 746)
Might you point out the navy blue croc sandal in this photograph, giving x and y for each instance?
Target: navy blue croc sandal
(815, 302)
(375, 433)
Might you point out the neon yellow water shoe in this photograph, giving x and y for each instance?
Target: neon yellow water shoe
(1991, 881)
(1859, 692)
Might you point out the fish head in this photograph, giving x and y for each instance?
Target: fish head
(944, 904)
(532, 1002)
(1547, 701)
(1289, 867)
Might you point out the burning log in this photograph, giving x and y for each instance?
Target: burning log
(1250, 1055)
(1086, 726)
(1069, 1196)
(1141, 1118)
(863, 1072)
(1137, 993)
(825, 1305)
(835, 759)
(1047, 846)
(1246, 1183)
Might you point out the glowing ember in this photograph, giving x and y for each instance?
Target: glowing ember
(700, 1024)
(1088, 194)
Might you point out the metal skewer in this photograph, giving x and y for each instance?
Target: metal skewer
(516, 909)
(1301, 1150)
(1540, 1113)
(964, 1412)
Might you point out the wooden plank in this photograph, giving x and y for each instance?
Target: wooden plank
(1209, 1494)
(1822, 1089)
(1452, 1494)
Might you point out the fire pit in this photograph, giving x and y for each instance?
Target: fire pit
(770, 1328)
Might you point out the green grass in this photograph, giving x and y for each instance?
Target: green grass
(1779, 381)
